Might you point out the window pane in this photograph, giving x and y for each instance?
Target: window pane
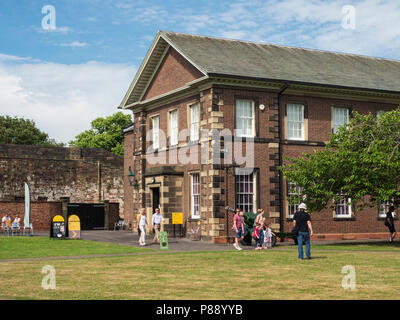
(244, 113)
(195, 195)
(295, 121)
(194, 125)
(340, 117)
(156, 128)
(174, 127)
(245, 196)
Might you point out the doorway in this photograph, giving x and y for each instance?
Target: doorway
(91, 215)
(156, 198)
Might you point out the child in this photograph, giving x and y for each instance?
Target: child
(256, 236)
(268, 237)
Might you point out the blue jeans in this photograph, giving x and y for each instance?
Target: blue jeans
(304, 237)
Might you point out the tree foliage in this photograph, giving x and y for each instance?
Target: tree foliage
(361, 161)
(15, 130)
(105, 133)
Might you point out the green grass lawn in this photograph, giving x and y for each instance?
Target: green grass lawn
(249, 274)
(36, 247)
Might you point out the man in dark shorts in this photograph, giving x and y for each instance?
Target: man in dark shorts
(238, 228)
(389, 222)
(302, 222)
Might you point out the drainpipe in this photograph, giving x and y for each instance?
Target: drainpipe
(281, 224)
(99, 179)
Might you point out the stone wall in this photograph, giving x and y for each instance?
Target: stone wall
(54, 173)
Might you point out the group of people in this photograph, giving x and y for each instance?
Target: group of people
(262, 230)
(6, 221)
(142, 224)
(302, 228)
(263, 233)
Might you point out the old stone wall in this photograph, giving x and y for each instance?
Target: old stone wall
(54, 173)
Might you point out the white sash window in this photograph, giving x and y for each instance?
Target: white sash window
(194, 122)
(173, 117)
(155, 122)
(195, 191)
(340, 118)
(295, 121)
(245, 118)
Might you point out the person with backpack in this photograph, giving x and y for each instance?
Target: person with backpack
(389, 222)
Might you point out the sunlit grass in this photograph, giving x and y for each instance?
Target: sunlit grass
(267, 274)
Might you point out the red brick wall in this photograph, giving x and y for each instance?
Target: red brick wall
(222, 99)
(173, 73)
(113, 215)
(40, 215)
(319, 130)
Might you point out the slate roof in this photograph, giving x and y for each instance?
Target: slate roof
(265, 61)
(251, 60)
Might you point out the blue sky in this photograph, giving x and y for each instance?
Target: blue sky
(63, 79)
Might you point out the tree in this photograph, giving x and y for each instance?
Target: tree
(360, 162)
(105, 133)
(15, 130)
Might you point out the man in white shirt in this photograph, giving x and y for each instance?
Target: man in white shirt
(156, 223)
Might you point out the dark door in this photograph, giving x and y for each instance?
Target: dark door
(156, 198)
(90, 215)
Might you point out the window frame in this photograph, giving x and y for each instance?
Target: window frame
(386, 204)
(350, 213)
(193, 195)
(348, 109)
(239, 131)
(191, 123)
(288, 194)
(255, 183)
(170, 128)
(303, 122)
(158, 131)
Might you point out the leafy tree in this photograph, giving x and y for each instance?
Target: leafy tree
(361, 161)
(105, 133)
(15, 130)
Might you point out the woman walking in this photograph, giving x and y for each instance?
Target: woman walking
(142, 224)
(389, 222)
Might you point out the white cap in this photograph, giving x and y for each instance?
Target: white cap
(303, 206)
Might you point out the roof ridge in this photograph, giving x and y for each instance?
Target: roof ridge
(281, 46)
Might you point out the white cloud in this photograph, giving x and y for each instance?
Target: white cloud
(74, 44)
(63, 99)
(11, 58)
(306, 23)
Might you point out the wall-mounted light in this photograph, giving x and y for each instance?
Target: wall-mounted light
(132, 180)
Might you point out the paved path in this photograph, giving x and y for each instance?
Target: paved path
(184, 244)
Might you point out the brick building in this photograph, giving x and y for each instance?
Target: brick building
(277, 101)
(61, 180)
